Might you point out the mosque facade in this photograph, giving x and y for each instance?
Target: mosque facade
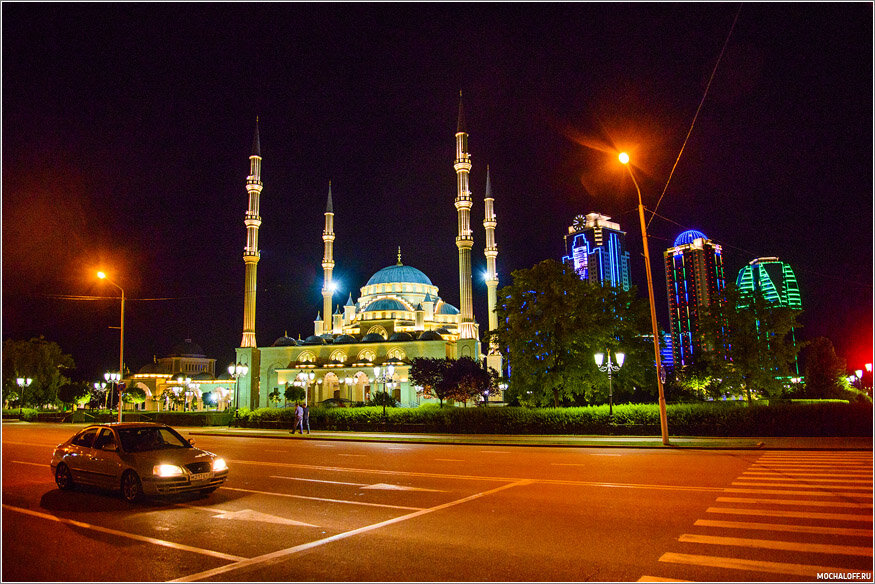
(367, 344)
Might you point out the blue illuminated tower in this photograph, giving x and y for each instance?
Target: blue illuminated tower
(695, 280)
(596, 247)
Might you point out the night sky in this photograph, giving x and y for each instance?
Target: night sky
(127, 130)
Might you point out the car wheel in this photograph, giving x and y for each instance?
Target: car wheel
(63, 478)
(132, 488)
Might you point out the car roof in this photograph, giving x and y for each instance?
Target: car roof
(120, 425)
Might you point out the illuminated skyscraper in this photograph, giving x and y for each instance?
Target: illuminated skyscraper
(695, 280)
(777, 283)
(596, 248)
(772, 278)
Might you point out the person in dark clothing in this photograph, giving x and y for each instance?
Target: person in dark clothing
(306, 419)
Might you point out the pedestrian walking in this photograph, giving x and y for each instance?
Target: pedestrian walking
(299, 418)
(306, 419)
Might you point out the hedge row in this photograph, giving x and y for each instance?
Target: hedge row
(711, 419)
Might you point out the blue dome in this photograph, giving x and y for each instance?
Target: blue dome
(401, 337)
(430, 336)
(385, 304)
(399, 274)
(448, 309)
(688, 237)
(373, 338)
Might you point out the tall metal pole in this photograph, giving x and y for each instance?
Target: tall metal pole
(121, 354)
(663, 419)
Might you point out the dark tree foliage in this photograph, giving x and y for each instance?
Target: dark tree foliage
(751, 347)
(43, 362)
(382, 398)
(73, 393)
(551, 324)
(469, 379)
(433, 375)
(824, 371)
(295, 393)
(137, 395)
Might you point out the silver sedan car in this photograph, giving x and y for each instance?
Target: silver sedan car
(140, 458)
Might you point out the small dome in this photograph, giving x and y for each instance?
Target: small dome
(448, 309)
(285, 342)
(152, 368)
(443, 331)
(373, 338)
(314, 340)
(401, 337)
(202, 376)
(688, 237)
(344, 340)
(385, 304)
(328, 337)
(430, 336)
(187, 349)
(399, 274)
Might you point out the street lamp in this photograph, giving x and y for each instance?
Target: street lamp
(610, 368)
(121, 343)
(386, 377)
(663, 419)
(22, 383)
(348, 382)
(114, 379)
(237, 371)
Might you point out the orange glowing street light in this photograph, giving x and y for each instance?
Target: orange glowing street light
(663, 418)
(121, 345)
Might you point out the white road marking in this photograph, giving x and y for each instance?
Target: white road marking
(789, 527)
(659, 579)
(280, 555)
(806, 479)
(398, 448)
(755, 565)
(495, 452)
(799, 484)
(797, 514)
(346, 454)
(807, 493)
(42, 464)
(793, 502)
(317, 481)
(773, 544)
(793, 473)
(449, 460)
(362, 503)
(152, 540)
(387, 487)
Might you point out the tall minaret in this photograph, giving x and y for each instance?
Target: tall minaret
(328, 262)
(250, 252)
(491, 252)
(465, 238)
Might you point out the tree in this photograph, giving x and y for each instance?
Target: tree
(134, 395)
(431, 373)
(469, 379)
(274, 396)
(382, 398)
(551, 324)
(751, 345)
(824, 370)
(42, 361)
(295, 393)
(73, 393)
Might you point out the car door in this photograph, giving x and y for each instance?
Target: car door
(105, 461)
(78, 456)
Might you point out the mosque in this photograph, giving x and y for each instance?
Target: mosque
(368, 344)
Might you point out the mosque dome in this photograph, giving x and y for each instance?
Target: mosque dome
(688, 237)
(401, 336)
(373, 338)
(448, 309)
(152, 368)
(314, 340)
(399, 274)
(385, 304)
(430, 336)
(285, 342)
(345, 340)
(187, 349)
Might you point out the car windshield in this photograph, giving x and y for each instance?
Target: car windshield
(144, 439)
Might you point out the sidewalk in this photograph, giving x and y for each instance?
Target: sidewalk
(678, 442)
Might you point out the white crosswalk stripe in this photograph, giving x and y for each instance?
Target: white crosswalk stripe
(794, 514)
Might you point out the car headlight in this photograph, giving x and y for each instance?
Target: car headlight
(167, 470)
(219, 464)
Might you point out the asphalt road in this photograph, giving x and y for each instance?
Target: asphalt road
(318, 510)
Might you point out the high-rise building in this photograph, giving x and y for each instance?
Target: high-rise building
(772, 278)
(776, 282)
(596, 247)
(695, 280)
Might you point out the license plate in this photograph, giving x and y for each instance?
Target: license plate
(200, 476)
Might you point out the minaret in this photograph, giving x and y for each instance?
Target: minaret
(250, 252)
(491, 252)
(328, 261)
(465, 238)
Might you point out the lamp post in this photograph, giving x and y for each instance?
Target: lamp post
(610, 368)
(121, 343)
(348, 382)
(237, 371)
(22, 382)
(114, 379)
(101, 387)
(663, 419)
(386, 377)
